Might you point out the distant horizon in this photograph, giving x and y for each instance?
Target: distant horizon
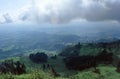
(79, 17)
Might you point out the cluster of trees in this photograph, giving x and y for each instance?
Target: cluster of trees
(71, 50)
(118, 67)
(84, 62)
(51, 68)
(12, 67)
(73, 59)
(105, 57)
(54, 57)
(38, 57)
(80, 62)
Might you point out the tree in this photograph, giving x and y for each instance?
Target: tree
(54, 57)
(12, 67)
(80, 62)
(118, 67)
(78, 46)
(39, 57)
(71, 50)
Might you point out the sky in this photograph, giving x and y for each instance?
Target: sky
(59, 11)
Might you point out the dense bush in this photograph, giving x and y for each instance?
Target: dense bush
(84, 62)
(12, 67)
(39, 57)
(104, 57)
(71, 50)
(54, 57)
(80, 62)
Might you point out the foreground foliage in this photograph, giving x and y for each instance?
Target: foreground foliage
(105, 73)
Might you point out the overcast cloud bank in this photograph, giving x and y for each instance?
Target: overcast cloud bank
(65, 11)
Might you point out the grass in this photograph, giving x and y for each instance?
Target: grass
(35, 71)
(107, 72)
(87, 50)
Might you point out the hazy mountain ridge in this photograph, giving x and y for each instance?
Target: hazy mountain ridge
(25, 38)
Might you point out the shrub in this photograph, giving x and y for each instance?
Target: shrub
(9, 66)
(71, 50)
(84, 62)
(38, 57)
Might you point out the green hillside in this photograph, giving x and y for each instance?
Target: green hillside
(36, 71)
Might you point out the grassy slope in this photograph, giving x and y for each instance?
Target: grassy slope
(34, 71)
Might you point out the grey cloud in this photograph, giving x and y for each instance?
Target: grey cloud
(96, 10)
(7, 18)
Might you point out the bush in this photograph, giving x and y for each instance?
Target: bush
(38, 57)
(71, 50)
(9, 66)
(84, 62)
(80, 62)
(54, 57)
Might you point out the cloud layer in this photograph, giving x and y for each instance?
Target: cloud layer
(65, 11)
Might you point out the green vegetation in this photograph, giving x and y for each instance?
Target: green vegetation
(106, 73)
(36, 71)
